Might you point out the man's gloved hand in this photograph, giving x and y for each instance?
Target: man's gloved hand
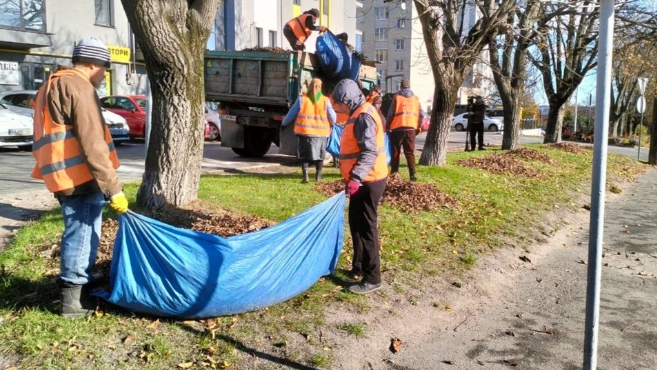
(119, 203)
(322, 29)
(352, 187)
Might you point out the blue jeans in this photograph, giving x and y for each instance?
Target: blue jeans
(82, 223)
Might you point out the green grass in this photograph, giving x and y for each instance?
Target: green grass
(493, 211)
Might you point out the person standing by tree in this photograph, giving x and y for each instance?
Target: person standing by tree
(364, 169)
(404, 122)
(298, 29)
(476, 114)
(76, 159)
(313, 115)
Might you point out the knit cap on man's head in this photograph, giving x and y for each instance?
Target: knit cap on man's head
(91, 50)
(405, 84)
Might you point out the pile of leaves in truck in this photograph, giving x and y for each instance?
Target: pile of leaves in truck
(266, 49)
(402, 194)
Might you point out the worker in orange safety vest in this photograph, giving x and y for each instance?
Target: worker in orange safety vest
(297, 30)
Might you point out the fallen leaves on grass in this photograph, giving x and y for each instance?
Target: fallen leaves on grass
(531, 155)
(402, 194)
(395, 345)
(500, 164)
(570, 148)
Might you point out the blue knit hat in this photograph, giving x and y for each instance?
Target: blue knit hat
(91, 50)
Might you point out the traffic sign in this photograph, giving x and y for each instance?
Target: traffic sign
(642, 85)
(641, 104)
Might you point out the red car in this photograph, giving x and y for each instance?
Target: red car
(130, 107)
(133, 109)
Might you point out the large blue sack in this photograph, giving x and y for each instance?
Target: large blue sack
(334, 58)
(353, 71)
(165, 271)
(333, 144)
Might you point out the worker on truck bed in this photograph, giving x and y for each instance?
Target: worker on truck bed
(313, 116)
(298, 29)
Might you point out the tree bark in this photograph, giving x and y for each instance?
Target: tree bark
(652, 154)
(554, 124)
(172, 36)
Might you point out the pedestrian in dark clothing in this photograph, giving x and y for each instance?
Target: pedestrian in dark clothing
(476, 113)
(404, 122)
(363, 167)
(297, 30)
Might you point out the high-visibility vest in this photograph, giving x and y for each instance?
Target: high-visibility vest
(349, 150)
(406, 112)
(298, 27)
(340, 117)
(56, 150)
(312, 119)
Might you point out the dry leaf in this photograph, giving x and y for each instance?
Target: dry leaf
(395, 345)
(185, 365)
(582, 262)
(128, 338)
(547, 330)
(448, 308)
(525, 259)
(510, 333)
(645, 273)
(448, 362)
(154, 324)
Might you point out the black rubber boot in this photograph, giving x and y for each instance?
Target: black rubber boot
(75, 301)
(318, 166)
(304, 170)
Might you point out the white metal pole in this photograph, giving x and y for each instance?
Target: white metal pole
(638, 154)
(598, 184)
(576, 108)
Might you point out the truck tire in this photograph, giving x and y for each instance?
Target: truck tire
(257, 141)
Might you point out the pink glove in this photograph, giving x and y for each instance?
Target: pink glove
(352, 187)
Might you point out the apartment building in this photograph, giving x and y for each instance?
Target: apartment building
(37, 36)
(392, 37)
(244, 24)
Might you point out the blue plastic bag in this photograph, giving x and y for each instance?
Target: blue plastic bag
(353, 71)
(333, 145)
(386, 142)
(334, 58)
(165, 271)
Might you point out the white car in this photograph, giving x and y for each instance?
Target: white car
(213, 120)
(460, 123)
(19, 102)
(15, 129)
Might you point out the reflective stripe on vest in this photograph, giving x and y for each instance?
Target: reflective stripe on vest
(298, 27)
(312, 119)
(349, 150)
(56, 150)
(406, 112)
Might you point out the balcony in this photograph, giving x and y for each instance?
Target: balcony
(23, 23)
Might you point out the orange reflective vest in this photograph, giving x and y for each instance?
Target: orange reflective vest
(59, 161)
(312, 119)
(340, 118)
(298, 27)
(406, 112)
(349, 150)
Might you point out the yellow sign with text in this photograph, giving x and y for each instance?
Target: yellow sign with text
(119, 54)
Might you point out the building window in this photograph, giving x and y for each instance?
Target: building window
(399, 65)
(25, 14)
(381, 56)
(104, 13)
(399, 44)
(359, 43)
(380, 34)
(259, 37)
(401, 23)
(296, 2)
(272, 38)
(381, 13)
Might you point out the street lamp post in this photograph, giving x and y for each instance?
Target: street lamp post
(641, 107)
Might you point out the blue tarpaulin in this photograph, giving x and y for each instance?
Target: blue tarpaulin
(166, 271)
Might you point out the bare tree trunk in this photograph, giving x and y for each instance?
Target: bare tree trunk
(172, 36)
(554, 124)
(652, 154)
(511, 136)
(435, 146)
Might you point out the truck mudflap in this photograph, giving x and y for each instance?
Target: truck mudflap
(255, 141)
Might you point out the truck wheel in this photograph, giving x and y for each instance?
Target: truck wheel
(257, 142)
(240, 151)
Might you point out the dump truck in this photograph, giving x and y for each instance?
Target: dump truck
(255, 90)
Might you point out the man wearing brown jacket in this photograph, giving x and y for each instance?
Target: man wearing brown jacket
(76, 159)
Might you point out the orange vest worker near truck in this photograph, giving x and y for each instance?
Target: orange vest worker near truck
(297, 30)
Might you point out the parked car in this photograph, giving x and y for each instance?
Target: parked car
(19, 102)
(460, 123)
(130, 107)
(214, 124)
(15, 129)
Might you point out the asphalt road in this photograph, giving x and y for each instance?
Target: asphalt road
(16, 165)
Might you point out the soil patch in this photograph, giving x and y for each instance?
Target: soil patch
(402, 194)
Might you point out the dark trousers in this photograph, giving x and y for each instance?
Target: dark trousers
(363, 223)
(402, 139)
(292, 39)
(476, 128)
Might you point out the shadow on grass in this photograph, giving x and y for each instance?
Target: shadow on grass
(18, 293)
